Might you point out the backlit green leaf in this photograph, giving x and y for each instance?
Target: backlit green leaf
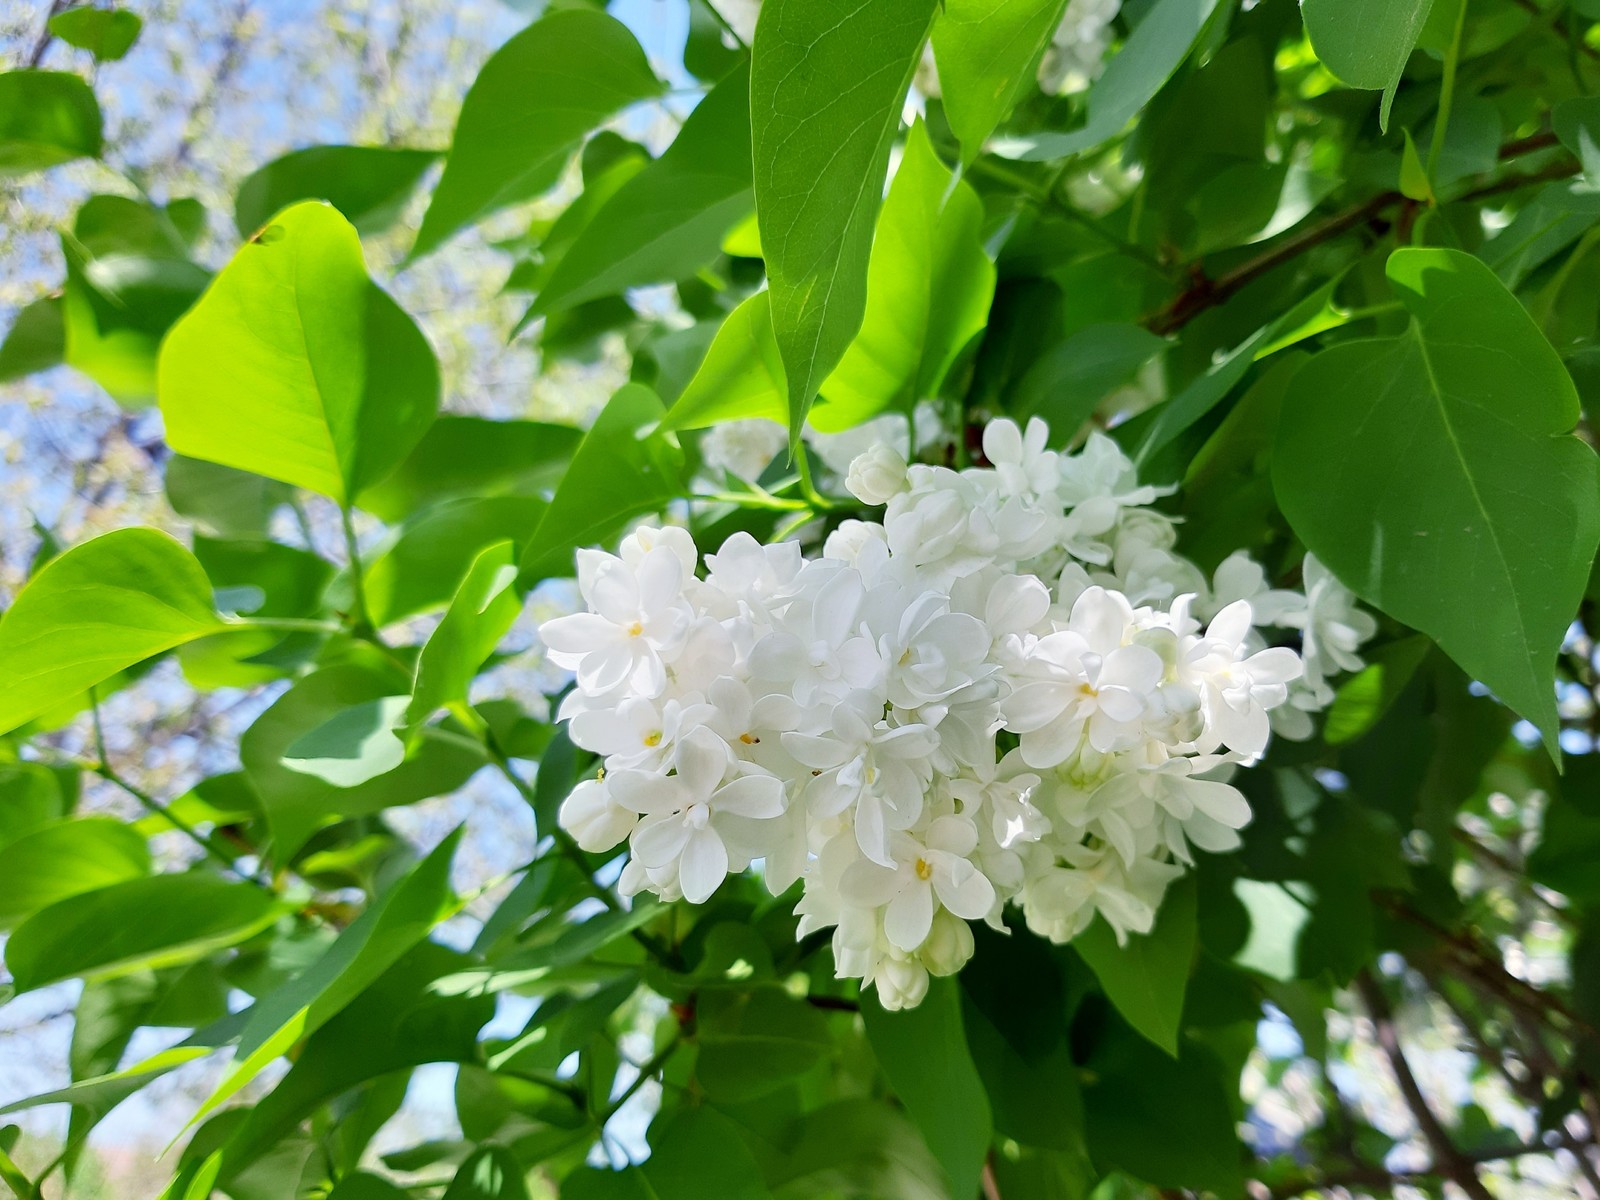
(826, 85)
(95, 610)
(295, 366)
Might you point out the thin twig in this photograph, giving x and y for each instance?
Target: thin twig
(1447, 1159)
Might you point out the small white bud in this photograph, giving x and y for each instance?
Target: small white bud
(876, 475)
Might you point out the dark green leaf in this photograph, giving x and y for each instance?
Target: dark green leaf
(1146, 978)
(752, 1043)
(668, 220)
(619, 472)
(368, 184)
(923, 1052)
(36, 341)
(297, 804)
(426, 565)
(137, 925)
(471, 456)
(1366, 42)
(107, 33)
(1405, 465)
(491, 1173)
(532, 103)
(46, 118)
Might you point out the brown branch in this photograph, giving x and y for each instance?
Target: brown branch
(1204, 292)
(834, 1003)
(1447, 1159)
(36, 55)
(1363, 1175)
(991, 1185)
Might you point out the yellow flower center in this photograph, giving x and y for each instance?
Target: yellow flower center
(924, 870)
(635, 629)
(653, 739)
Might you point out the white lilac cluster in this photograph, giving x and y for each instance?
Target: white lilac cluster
(1076, 53)
(1010, 689)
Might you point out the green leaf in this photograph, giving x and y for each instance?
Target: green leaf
(354, 745)
(1154, 50)
(490, 1173)
(619, 472)
(97, 609)
(137, 925)
(697, 1154)
(362, 1186)
(59, 861)
(295, 804)
(485, 606)
(1066, 384)
(987, 51)
(395, 1023)
(1369, 693)
(859, 1147)
(741, 375)
(296, 366)
(1146, 978)
(752, 1043)
(30, 798)
(923, 1052)
(368, 184)
(36, 341)
(1135, 1124)
(929, 287)
(472, 456)
(426, 565)
(700, 1153)
(396, 920)
(532, 103)
(107, 33)
(668, 220)
(1016, 1013)
(231, 502)
(1414, 182)
(1366, 42)
(46, 118)
(827, 81)
(1432, 474)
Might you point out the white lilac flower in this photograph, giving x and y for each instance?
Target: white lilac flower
(839, 717)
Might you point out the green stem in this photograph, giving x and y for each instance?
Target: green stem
(149, 803)
(1048, 195)
(726, 27)
(288, 624)
(1447, 91)
(363, 617)
(646, 1073)
(760, 500)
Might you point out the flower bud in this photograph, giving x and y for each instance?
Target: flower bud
(593, 818)
(949, 944)
(876, 475)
